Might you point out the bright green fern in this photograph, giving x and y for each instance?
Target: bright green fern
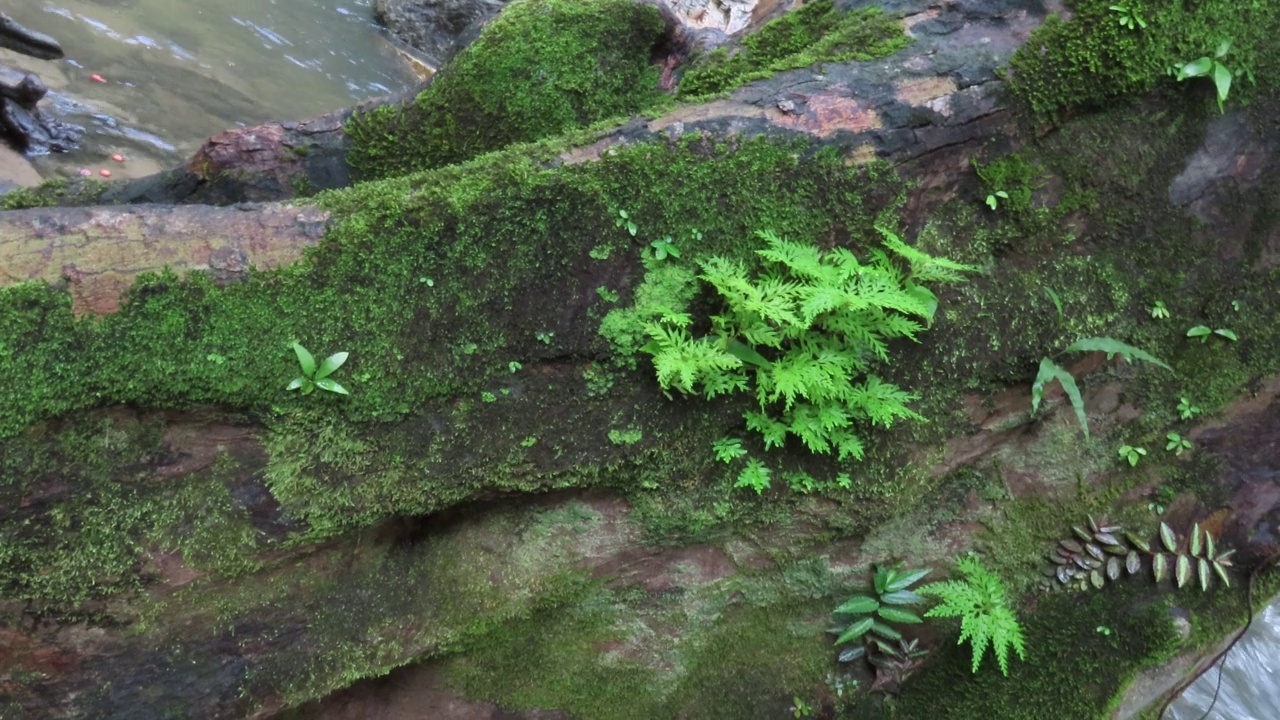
(985, 618)
(805, 333)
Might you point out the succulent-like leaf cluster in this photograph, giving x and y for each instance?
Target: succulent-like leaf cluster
(1090, 557)
(864, 618)
(1103, 552)
(894, 663)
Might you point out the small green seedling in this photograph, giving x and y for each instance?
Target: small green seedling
(514, 367)
(1103, 630)
(624, 221)
(1156, 508)
(1132, 454)
(1159, 311)
(1057, 302)
(1177, 443)
(1235, 305)
(993, 200)
(664, 247)
(317, 377)
(1129, 17)
(545, 336)
(607, 295)
(1186, 410)
(529, 441)
(1213, 67)
(1203, 332)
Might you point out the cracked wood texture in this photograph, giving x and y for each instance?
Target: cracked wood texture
(99, 251)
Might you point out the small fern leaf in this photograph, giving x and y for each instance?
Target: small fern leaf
(1113, 347)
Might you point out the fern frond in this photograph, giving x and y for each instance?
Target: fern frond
(773, 431)
(925, 267)
(985, 618)
(882, 402)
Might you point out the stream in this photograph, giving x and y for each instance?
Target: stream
(175, 72)
(1250, 682)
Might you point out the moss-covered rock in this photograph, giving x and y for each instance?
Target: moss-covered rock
(540, 68)
(1093, 58)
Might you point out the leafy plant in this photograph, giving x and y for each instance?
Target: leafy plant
(664, 248)
(600, 252)
(822, 318)
(1159, 311)
(993, 200)
(978, 599)
(1203, 332)
(1129, 17)
(624, 221)
(864, 619)
(1050, 371)
(755, 476)
(1093, 555)
(1177, 443)
(529, 441)
(1103, 552)
(728, 449)
(1186, 410)
(1132, 454)
(545, 337)
(1214, 67)
(606, 294)
(313, 377)
(514, 367)
(488, 397)
(1195, 555)
(800, 708)
(894, 663)
(630, 436)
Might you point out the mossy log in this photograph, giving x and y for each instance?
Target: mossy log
(181, 535)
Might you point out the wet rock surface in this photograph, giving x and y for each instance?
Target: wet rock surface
(28, 128)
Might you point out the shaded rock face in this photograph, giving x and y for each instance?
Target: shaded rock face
(433, 27)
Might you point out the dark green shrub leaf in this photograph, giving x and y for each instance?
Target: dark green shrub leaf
(898, 615)
(858, 605)
(902, 581)
(903, 597)
(852, 653)
(855, 631)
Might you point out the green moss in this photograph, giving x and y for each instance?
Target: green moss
(813, 33)
(1092, 59)
(77, 519)
(55, 192)
(539, 69)
(1072, 669)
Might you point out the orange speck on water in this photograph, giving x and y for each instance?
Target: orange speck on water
(97, 78)
(104, 172)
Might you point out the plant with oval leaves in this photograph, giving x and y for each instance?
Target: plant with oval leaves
(864, 619)
(1193, 555)
(313, 377)
(1106, 552)
(1093, 555)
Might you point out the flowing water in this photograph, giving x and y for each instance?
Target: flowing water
(1250, 680)
(179, 71)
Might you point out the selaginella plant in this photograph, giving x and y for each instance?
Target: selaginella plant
(1104, 552)
(978, 598)
(865, 626)
(803, 333)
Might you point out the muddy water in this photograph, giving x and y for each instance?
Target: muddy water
(178, 71)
